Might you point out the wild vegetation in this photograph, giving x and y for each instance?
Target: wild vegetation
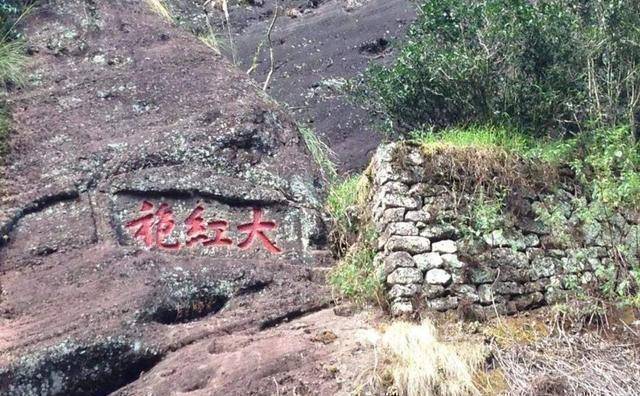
(355, 276)
(550, 67)
(531, 94)
(12, 59)
(532, 88)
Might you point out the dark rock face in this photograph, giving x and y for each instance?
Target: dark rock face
(153, 198)
(317, 45)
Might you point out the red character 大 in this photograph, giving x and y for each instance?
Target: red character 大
(163, 222)
(197, 230)
(257, 229)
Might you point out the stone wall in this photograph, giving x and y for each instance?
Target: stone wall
(429, 256)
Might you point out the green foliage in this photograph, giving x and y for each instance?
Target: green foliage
(553, 216)
(606, 160)
(539, 66)
(609, 164)
(345, 204)
(321, 153)
(12, 58)
(486, 213)
(476, 137)
(355, 276)
(9, 11)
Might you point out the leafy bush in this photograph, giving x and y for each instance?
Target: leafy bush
(540, 66)
(609, 166)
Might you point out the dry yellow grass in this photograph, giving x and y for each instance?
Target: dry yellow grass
(516, 330)
(412, 361)
(160, 8)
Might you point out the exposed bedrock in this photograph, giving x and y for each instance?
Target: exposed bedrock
(153, 198)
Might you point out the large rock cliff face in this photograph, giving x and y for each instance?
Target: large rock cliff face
(153, 198)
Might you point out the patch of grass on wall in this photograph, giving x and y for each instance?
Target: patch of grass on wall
(355, 276)
(606, 161)
(486, 137)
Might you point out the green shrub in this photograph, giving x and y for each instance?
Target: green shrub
(609, 166)
(543, 66)
(486, 213)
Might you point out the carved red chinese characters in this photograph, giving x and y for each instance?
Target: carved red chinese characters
(197, 230)
(154, 228)
(257, 229)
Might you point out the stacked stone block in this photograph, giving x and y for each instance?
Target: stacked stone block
(426, 262)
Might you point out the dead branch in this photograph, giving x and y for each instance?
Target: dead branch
(271, 61)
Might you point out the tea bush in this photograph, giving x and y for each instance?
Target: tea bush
(544, 67)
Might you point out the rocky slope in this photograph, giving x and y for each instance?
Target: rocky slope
(317, 44)
(157, 211)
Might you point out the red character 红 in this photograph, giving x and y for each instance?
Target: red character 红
(197, 230)
(163, 222)
(257, 229)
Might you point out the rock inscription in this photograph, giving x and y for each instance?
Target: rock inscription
(155, 226)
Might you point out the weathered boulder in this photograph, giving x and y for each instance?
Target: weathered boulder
(150, 184)
(411, 244)
(427, 261)
(437, 276)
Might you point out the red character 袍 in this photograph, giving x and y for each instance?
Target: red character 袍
(257, 229)
(144, 224)
(163, 222)
(197, 230)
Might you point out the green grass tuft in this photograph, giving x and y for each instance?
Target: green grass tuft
(12, 61)
(476, 137)
(321, 154)
(355, 276)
